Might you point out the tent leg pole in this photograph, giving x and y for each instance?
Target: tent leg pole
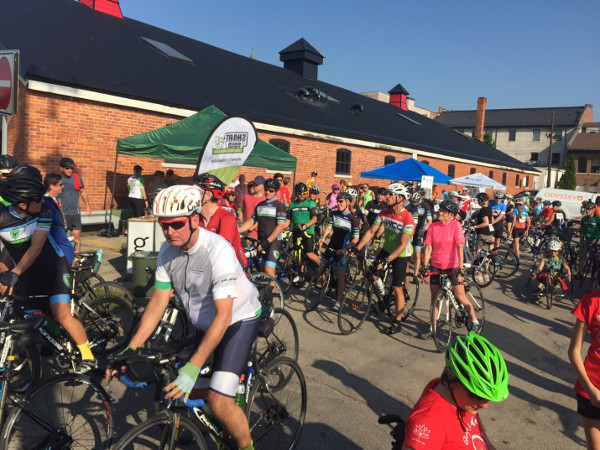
(112, 195)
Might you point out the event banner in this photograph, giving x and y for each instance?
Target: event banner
(227, 148)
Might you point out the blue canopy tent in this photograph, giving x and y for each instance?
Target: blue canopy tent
(407, 170)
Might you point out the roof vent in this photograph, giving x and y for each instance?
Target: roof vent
(314, 95)
(357, 108)
(302, 58)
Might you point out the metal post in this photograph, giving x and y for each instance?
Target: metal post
(549, 177)
(4, 134)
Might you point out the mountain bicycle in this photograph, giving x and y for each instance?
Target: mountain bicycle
(67, 411)
(273, 397)
(447, 313)
(363, 294)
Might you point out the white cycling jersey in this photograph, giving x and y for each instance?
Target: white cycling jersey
(208, 271)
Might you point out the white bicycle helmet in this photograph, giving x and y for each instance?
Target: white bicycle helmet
(554, 245)
(452, 194)
(398, 189)
(177, 201)
(353, 192)
(498, 194)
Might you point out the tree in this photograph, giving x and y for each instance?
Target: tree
(568, 180)
(487, 138)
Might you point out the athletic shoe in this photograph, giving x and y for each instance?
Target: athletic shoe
(86, 365)
(477, 327)
(396, 327)
(298, 279)
(538, 292)
(336, 306)
(425, 335)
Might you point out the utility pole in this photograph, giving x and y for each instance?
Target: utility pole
(551, 136)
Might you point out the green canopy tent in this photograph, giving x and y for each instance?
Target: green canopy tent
(184, 141)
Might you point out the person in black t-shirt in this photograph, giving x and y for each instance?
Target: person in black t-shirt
(483, 223)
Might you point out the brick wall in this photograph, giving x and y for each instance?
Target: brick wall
(50, 126)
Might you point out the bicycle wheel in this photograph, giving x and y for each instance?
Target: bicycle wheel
(483, 272)
(108, 325)
(475, 296)
(109, 288)
(548, 291)
(276, 405)
(355, 306)
(283, 340)
(68, 411)
(442, 318)
(506, 262)
(411, 295)
(525, 245)
(285, 271)
(164, 430)
(277, 300)
(317, 290)
(353, 270)
(26, 369)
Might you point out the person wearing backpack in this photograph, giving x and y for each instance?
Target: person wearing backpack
(69, 199)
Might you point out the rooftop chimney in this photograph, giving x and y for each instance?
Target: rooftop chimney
(398, 97)
(302, 58)
(110, 7)
(480, 118)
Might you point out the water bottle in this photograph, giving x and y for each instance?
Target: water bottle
(49, 325)
(240, 395)
(380, 287)
(100, 254)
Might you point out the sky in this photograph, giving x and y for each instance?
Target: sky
(517, 54)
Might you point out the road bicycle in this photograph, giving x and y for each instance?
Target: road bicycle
(447, 313)
(363, 294)
(67, 411)
(501, 262)
(324, 281)
(294, 268)
(272, 395)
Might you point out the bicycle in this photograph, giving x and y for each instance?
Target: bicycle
(324, 280)
(294, 267)
(446, 312)
(363, 294)
(265, 394)
(66, 411)
(554, 286)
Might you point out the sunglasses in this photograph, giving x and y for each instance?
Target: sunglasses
(271, 190)
(341, 201)
(174, 224)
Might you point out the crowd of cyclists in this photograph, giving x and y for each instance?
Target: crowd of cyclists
(403, 226)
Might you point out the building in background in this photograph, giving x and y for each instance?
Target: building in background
(585, 149)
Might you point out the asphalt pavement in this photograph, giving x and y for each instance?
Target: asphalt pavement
(352, 380)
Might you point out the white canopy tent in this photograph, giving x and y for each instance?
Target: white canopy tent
(479, 181)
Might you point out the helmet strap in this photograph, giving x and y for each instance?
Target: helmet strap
(192, 231)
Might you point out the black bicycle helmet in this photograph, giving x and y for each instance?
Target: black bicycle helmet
(344, 196)
(482, 197)
(381, 191)
(449, 206)
(26, 170)
(208, 182)
(301, 188)
(67, 163)
(22, 189)
(547, 202)
(556, 203)
(590, 205)
(8, 162)
(272, 183)
(314, 190)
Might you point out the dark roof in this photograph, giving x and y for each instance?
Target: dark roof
(585, 141)
(66, 43)
(301, 45)
(523, 117)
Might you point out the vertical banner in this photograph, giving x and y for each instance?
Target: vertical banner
(427, 184)
(227, 148)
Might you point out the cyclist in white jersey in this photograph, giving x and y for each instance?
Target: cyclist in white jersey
(219, 300)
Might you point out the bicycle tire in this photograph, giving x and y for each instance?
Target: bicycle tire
(548, 291)
(283, 340)
(276, 407)
(507, 265)
(278, 298)
(314, 294)
(525, 245)
(475, 296)
(156, 431)
(355, 306)
(26, 369)
(110, 327)
(75, 404)
(442, 319)
(411, 295)
(285, 271)
(481, 275)
(109, 288)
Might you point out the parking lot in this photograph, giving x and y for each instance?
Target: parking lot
(352, 380)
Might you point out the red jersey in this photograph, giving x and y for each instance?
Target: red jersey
(248, 207)
(224, 223)
(434, 424)
(588, 311)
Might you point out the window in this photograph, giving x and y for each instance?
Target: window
(517, 179)
(534, 157)
(582, 165)
(342, 161)
(281, 144)
(451, 169)
(526, 181)
(491, 174)
(555, 159)
(512, 134)
(504, 178)
(536, 135)
(425, 162)
(473, 170)
(595, 167)
(389, 159)
(166, 50)
(558, 134)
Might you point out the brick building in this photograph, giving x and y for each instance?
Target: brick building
(89, 77)
(585, 149)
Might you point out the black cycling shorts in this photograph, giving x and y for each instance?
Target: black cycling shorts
(452, 276)
(586, 409)
(51, 281)
(499, 229)
(308, 242)
(272, 256)
(73, 221)
(399, 266)
(517, 233)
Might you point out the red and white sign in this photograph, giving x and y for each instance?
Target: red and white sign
(9, 81)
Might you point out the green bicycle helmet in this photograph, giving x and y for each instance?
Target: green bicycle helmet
(479, 365)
